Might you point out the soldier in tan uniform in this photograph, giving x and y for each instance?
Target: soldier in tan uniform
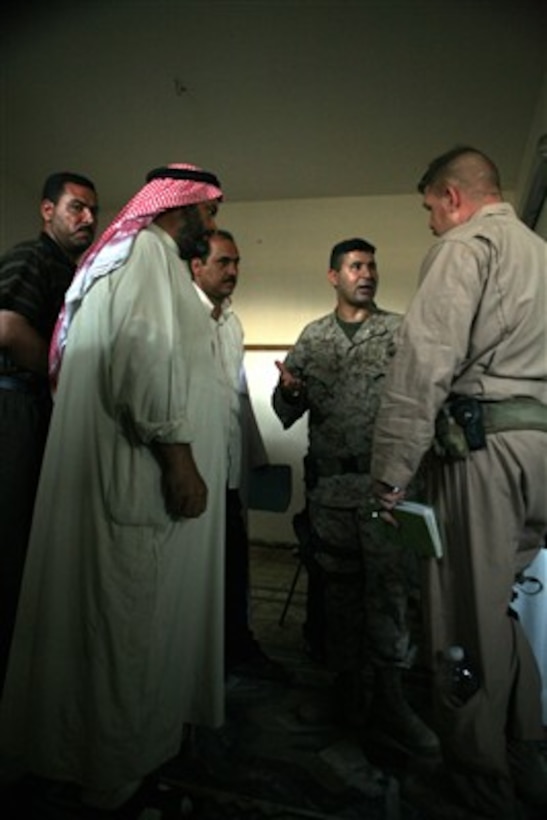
(334, 373)
(470, 378)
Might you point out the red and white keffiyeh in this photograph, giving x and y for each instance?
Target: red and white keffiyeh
(173, 186)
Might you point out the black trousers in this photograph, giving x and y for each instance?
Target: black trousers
(24, 421)
(239, 641)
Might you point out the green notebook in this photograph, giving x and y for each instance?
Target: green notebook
(418, 528)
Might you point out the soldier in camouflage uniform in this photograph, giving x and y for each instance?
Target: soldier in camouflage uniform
(335, 372)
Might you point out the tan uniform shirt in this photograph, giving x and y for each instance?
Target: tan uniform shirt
(477, 326)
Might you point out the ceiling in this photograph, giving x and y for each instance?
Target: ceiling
(281, 98)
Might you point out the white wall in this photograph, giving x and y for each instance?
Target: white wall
(282, 446)
(285, 248)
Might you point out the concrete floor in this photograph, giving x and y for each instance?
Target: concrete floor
(266, 762)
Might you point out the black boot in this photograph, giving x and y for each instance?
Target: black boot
(394, 721)
(352, 694)
(347, 703)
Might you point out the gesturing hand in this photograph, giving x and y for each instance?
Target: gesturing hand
(290, 385)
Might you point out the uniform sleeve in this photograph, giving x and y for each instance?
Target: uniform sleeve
(432, 348)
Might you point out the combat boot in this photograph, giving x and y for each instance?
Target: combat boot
(352, 695)
(347, 704)
(393, 721)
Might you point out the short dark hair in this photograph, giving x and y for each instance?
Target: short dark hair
(202, 247)
(346, 246)
(55, 184)
(447, 165)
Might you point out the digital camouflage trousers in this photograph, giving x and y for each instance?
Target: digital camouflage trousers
(366, 583)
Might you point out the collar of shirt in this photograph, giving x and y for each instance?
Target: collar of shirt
(491, 209)
(225, 308)
(56, 250)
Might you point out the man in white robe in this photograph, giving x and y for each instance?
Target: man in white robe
(119, 637)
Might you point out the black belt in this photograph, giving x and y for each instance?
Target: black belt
(325, 467)
(21, 385)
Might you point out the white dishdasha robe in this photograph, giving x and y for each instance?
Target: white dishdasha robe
(119, 636)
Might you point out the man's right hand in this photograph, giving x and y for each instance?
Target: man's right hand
(291, 386)
(184, 491)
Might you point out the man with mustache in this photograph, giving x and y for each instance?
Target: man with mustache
(118, 638)
(215, 269)
(34, 276)
(335, 373)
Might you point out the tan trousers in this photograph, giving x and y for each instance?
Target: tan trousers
(493, 510)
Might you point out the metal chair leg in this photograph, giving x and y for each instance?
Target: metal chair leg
(291, 593)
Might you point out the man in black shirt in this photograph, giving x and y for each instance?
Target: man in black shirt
(34, 276)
